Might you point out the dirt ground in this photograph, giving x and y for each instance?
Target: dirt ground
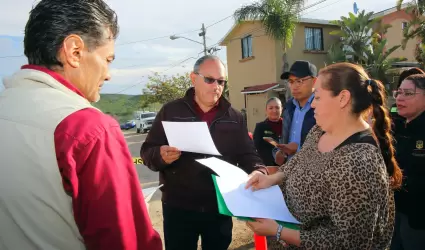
(242, 236)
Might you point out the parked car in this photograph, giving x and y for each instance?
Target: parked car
(144, 121)
(128, 125)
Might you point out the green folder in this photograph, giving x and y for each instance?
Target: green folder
(393, 110)
(222, 208)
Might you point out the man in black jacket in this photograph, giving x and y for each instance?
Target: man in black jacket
(189, 201)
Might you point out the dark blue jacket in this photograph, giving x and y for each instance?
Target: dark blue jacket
(308, 123)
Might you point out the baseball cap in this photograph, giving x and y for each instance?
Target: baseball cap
(300, 69)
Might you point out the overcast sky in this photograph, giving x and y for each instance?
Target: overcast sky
(137, 53)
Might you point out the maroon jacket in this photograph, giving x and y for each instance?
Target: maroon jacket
(187, 183)
(99, 175)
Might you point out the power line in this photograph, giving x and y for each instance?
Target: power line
(11, 56)
(156, 38)
(219, 21)
(171, 67)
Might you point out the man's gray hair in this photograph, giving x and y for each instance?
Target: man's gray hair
(203, 59)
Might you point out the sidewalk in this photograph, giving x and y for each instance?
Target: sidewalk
(242, 236)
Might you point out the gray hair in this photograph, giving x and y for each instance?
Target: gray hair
(203, 59)
(277, 100)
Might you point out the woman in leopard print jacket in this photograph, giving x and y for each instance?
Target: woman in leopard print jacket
(340, 185)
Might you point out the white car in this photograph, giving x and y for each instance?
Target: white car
(144, 121)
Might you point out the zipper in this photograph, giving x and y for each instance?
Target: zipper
(212, 123)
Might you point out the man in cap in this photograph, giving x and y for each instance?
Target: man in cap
(298, 116)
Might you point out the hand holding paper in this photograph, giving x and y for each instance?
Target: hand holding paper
(169, 154)
(241, 202)
(259, 181)
(192, 137)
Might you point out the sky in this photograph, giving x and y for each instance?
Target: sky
(144, 47)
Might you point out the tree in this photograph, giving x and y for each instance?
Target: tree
(356, 32)
(336, 53)
(279, 18)
(362, 43)
(163, 89)
(376, 59)
(415, 28)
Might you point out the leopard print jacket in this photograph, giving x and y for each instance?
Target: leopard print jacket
(342, 198)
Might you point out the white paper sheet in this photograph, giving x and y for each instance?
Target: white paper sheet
(192, 137)
(149, 192)
(266, 203)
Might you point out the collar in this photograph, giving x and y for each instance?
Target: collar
(310, 100)
(418, 123)
(54, 75)
(278, 121)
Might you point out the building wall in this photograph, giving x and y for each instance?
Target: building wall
(298, 52)
(394, 35)
(259, 69)
(256, 109)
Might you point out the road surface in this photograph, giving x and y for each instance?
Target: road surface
(147, 177)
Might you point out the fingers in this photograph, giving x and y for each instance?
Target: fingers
(169, 154)
(252, 181)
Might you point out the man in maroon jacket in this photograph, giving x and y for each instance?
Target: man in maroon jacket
(189, 202)
(72, 43)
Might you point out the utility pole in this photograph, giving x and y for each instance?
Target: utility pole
(203, 34)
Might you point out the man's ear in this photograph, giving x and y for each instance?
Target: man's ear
(193, 78)
(72, 50)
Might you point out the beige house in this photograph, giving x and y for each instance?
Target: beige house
(255, 63)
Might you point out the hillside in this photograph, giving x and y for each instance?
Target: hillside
(121, 106)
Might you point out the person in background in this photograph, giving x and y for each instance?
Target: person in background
(403, 75)
(298, 116)
(340, 185)
(271, 127)
(409, 132)
(67, 179)
(189, 202)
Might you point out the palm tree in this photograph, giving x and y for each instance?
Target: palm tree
(377, 59)
(279, 18)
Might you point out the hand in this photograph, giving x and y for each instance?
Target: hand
(288, 149)
(263, 227)
(259, 181)
(169, 154)
(280, 158)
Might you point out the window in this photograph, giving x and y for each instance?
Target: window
(403, 25)
(314, 39)
(246, 44)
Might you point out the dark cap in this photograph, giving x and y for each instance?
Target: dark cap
(300, 69)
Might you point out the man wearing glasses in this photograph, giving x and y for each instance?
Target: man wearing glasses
(189, 202)
(298, 116)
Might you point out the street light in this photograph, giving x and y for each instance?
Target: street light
(174, 37)
(203, 33)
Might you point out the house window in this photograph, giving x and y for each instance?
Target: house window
(403, 25)
(246, 43)
(314, 39)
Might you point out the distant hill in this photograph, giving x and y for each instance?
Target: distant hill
(121, 106)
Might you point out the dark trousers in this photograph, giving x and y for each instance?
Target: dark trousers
(182, 229)
(405, 237)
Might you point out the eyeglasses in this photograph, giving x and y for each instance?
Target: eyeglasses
(299, 81)
(406, 93)
(210, 80)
